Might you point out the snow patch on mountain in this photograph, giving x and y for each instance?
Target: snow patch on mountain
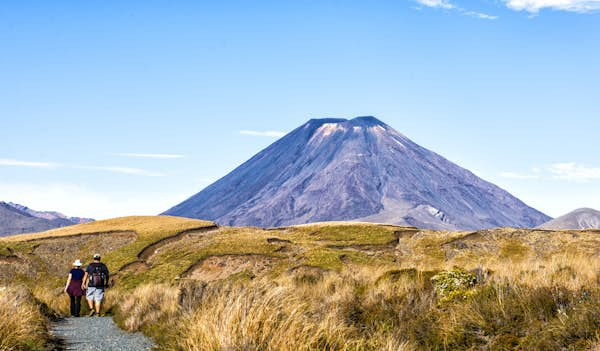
(359, 169)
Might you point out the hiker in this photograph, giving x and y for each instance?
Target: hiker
(95, 280)
(74, 287)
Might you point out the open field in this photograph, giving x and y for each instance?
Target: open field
(330, 286)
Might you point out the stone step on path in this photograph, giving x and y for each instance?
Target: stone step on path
(97, 333)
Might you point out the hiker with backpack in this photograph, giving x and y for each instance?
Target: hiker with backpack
(74, 287)
(95, 280)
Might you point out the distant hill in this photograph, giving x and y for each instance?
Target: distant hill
(583, 218)
(360, 170)
(17, 219)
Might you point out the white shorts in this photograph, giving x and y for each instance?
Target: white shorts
(95, 294)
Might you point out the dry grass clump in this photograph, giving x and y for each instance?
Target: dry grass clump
(55, 299)
(571, 271)
(515, 317)
(147, 306)
(550, 306)
(261, 317)
(348, 311)
(535, 304)
(22, 325)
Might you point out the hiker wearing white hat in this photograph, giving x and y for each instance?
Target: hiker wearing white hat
(74, 287)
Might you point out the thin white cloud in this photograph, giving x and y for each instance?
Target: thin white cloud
(20, 163)
(574, 172)
(270, 133)
(447, 5)
(512, 175)
(443, 4)
(157, 156)
(570, 171)
(534, 6)
(479, 15)
(122, 170)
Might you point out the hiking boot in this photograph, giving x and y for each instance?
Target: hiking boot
(92, 313)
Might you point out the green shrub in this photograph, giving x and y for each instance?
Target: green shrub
(454, 284)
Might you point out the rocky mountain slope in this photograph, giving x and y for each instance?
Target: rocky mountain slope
(17, 219)
(50, 215)
(583, 218)
(361, 170)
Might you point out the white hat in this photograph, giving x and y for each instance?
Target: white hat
(77, 263)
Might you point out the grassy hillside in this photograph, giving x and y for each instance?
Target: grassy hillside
(328, 286)
(119, 239)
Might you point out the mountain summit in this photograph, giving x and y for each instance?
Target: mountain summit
(582, 218)
(359, 169)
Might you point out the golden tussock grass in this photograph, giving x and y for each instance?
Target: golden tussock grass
(22, 325)
(143, 225)
(332, 312)
(550, 306)
(56, 299)
(262, 317)
(349, 287)
(146, 305)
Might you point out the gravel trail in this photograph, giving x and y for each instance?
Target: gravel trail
(98, 333)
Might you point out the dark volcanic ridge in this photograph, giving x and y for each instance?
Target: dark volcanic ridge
(18, 219)
(355, 170)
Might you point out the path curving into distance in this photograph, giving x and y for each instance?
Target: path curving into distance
(97, 333)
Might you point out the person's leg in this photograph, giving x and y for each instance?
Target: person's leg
(99, 298)
(91, 306)
(90, 300)
(73, 308)
(77, 305)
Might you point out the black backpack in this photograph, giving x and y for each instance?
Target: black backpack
(98, 275)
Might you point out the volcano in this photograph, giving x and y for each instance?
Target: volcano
(355, 170)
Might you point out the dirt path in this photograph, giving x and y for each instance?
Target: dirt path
(97, 333)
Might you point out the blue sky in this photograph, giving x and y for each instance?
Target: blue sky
(112, 108)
